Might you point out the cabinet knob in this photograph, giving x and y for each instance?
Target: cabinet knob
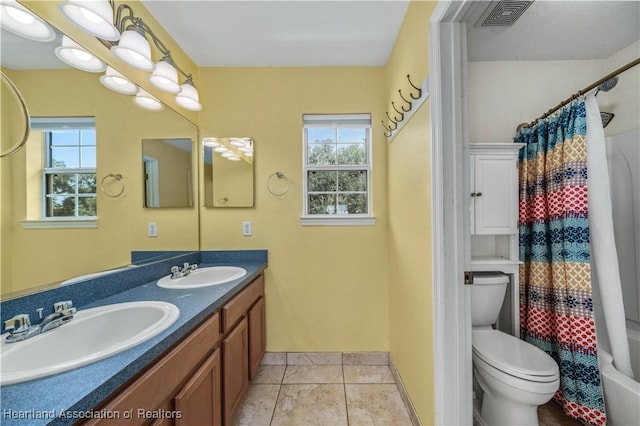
(479, 194)
(473, 194)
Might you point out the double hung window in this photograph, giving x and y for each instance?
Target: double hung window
(337, 169)
(69, 173)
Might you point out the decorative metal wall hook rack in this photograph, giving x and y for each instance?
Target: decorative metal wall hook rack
(415, 87)
(406, 100)
(393, 104)
(393, 125)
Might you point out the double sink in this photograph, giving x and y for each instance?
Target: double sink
(98, 333)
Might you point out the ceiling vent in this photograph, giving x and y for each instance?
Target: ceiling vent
(503, 13)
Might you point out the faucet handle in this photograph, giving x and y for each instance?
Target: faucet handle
(64, 307)
(185, 266)
(18, 324)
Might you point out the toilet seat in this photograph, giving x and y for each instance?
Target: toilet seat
(513, 356)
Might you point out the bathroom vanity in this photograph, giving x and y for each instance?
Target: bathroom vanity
(195, 372)
(202, 379)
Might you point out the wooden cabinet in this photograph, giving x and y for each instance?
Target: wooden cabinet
(199, 400)
(244, 344)
(235, 361)
(152, 397)
(257, 337)
(494, 190)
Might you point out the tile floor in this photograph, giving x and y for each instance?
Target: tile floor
(312, 394)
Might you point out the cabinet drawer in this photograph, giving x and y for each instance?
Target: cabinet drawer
(161, 382)
(239, 305)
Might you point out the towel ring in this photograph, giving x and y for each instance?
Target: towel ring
(117, 177)
(278, 175)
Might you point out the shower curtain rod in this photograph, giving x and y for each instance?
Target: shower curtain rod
(582, 92)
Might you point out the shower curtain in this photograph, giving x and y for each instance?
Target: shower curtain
(556, 305)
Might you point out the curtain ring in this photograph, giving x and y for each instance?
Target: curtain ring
(282, 176)
(117, 177)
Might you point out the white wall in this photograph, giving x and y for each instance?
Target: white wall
(624, 99)
(504, 94)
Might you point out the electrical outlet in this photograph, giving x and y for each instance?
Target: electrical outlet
(247, 228)
(152, 229)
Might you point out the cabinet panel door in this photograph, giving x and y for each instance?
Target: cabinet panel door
(199, 400)
(496, 189)
(235, 366)
(257, 337)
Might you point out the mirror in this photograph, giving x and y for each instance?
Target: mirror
(35, 253)
(228, 172)
(167, 172)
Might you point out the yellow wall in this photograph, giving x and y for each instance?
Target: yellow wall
(409, 204)
(44, 256)
(326, 286)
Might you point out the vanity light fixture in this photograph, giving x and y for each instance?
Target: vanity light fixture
(230, 156)
(115, 81)
(188, 97)
(221, 149)
(165, 76)
(72, 54)
(19, 20)
(134, 49)
(132, 45)
(93, 16)
(145, 100)
(211, 142)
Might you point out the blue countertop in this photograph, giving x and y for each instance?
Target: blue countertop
(65, 398)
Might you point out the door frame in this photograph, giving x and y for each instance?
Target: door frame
(453, 395)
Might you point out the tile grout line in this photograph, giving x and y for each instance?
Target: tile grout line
(273, 412)
(344, 387)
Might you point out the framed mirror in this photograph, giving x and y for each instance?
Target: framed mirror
(39, 249)
(228, 171)
(167, 172)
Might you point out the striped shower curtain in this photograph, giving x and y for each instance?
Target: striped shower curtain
(556, 307)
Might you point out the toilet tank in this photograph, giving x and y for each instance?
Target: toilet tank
(487, 294)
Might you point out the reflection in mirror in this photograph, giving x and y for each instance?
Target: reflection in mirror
(167, 172)
(37, 251)
(228, 172)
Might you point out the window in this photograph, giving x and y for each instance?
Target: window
(69, 173)
(337, 170)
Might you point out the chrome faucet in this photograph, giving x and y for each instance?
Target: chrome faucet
(20, 327)
(177, 272)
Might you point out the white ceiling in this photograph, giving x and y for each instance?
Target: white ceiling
(359, 33)
(559, 30)
(282, 33)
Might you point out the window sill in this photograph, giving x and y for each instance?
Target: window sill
(70, 223)
(337, 221)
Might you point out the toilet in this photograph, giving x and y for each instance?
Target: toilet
(513, 376)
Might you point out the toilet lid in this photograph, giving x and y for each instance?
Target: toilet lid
(514, 356)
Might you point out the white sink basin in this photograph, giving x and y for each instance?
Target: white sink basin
(204, 277)
(93, 334)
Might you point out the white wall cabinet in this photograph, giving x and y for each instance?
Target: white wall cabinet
(494, 189)
(494, 219)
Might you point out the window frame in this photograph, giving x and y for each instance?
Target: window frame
(47, 126)
(337, 121)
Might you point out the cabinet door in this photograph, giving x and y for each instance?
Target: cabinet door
(199, 401)
(235, 366)
(257, 337)
(494, 194)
